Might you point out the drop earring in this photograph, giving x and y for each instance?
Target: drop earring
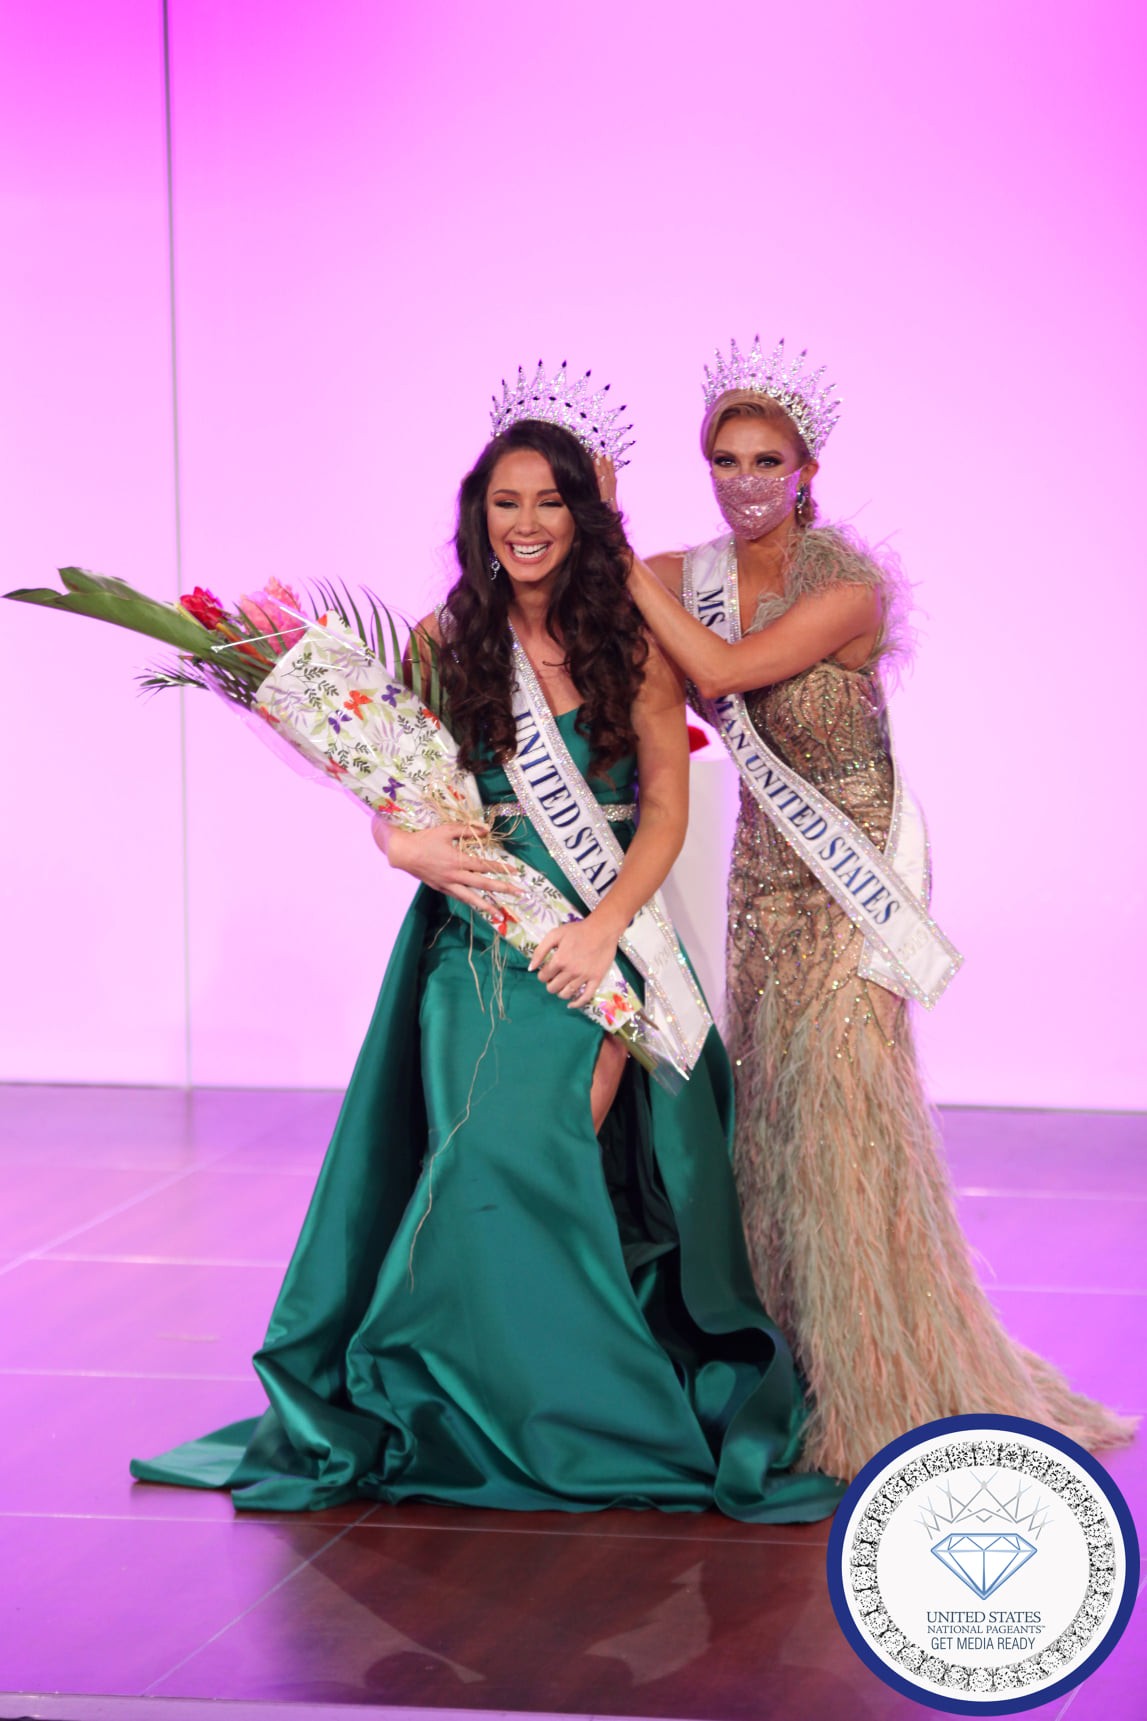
(495, 566)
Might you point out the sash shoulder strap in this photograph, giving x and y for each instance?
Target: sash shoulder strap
(884, 893)
(571, 823)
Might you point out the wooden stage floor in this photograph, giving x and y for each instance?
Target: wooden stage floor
(143, 1234)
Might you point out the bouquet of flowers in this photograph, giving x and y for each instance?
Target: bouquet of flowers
(330, 691)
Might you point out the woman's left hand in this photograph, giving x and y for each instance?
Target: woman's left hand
(606, 480)
(576, 957)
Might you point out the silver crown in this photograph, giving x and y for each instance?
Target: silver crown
(809, 402)
(567, 401)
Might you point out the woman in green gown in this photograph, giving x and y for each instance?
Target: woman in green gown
(522, 1281)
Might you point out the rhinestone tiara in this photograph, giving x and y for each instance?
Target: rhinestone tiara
(809, 402)
(568, 401)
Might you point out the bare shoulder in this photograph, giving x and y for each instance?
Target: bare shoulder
(428, 629)
(669, 567)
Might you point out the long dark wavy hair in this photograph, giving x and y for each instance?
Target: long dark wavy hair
(590, 613)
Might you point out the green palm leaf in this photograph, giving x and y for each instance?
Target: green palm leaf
(121, 604)
(396, 659)
(353, 609)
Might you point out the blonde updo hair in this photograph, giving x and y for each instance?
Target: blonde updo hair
(747, 403)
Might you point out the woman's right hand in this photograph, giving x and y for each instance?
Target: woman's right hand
(606, 475)
(441, 860)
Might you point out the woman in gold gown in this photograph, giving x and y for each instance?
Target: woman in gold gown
(849, 1213)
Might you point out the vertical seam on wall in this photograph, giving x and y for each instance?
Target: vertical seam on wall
(178, 508)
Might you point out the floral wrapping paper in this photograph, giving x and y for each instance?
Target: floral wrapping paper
(332, 702)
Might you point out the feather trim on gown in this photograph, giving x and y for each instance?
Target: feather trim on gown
(851, 1219)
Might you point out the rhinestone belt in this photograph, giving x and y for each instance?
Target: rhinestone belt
(619, 813)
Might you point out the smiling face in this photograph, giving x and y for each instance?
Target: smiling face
(530, 528)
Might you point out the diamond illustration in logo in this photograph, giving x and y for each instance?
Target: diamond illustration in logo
(984, 1559)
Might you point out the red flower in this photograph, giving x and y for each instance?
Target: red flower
(204, 606)
(697, 738)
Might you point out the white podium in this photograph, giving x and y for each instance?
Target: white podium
(695, 889)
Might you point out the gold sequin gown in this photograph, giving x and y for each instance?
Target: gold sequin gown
(849, 1212)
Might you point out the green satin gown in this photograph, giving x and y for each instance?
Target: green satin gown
(491, 1306)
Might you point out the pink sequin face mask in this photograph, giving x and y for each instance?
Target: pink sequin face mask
(754, 502)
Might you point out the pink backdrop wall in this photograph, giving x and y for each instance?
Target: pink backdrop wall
(378, 210)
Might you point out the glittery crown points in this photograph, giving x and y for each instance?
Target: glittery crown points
(810, 403)
(568, 401)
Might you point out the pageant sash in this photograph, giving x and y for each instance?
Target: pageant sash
(884, 893)
(561, 806)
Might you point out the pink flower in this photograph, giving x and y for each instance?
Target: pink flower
(274, 611)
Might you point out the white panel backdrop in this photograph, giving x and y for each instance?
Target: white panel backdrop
(378, 210)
